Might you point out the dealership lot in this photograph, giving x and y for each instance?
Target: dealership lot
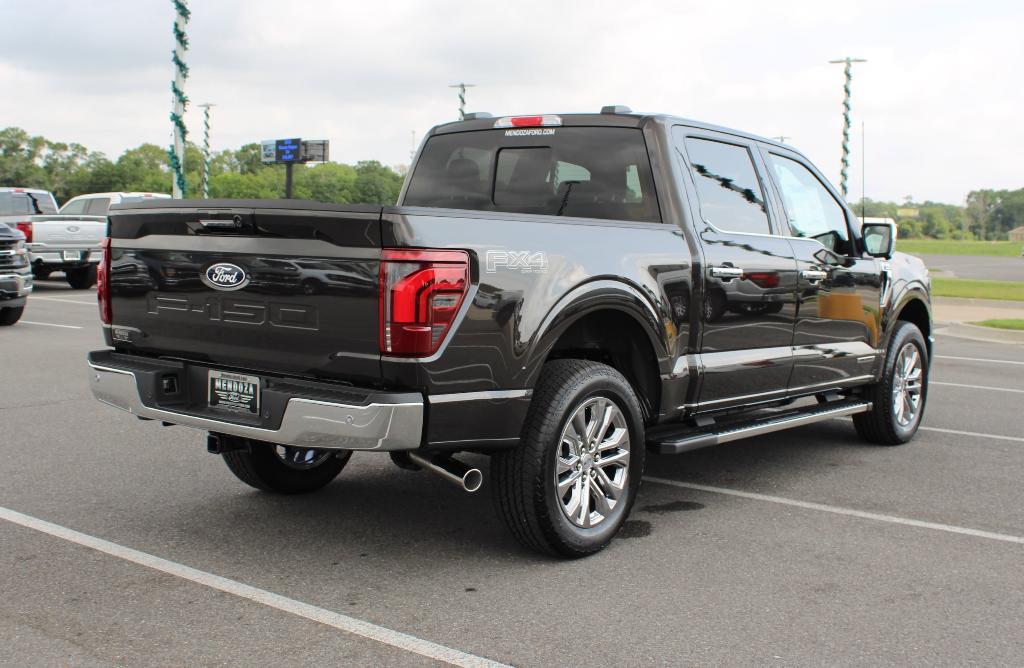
(801, 547)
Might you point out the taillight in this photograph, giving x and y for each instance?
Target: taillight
(26, 229)
(420, 294)
(103, 284)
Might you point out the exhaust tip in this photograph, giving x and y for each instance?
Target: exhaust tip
(472, 480)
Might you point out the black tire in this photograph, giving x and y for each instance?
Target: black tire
(39, 273)
(81, 278)
(259, 466)
(880, 424)
(523, 479)
(9, 316)
(715, 305)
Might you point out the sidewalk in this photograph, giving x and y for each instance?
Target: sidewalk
(953, 315)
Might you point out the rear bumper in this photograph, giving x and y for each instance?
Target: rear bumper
(381, 421)
(51, 256)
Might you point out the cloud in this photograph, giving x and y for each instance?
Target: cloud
(937, 97)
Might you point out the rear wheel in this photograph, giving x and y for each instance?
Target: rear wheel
(40, 273)
(570, 484)
(898, 400)
(9, 316)
(81, 278)
(284, 469)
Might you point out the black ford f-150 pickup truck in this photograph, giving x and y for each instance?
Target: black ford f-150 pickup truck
(562, 293)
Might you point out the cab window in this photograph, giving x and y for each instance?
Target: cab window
(729, 191)
(98, 206)
(810, 208)
(75, 206)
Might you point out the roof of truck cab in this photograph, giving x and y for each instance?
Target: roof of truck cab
(624, 120)
(123, 194)
(17, 189)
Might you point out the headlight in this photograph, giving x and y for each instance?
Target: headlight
(19, 248)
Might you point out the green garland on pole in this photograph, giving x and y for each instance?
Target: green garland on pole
(176, 153)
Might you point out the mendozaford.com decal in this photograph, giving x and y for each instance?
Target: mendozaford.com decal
(530, 132)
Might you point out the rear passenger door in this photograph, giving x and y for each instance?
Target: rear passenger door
(839, 291)
(749, 273)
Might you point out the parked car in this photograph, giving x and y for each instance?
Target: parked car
(538, 296)
(55, 242)
(15, 277)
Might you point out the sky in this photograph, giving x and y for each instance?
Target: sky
(940, 97)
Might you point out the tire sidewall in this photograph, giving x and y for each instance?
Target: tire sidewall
(906, 334)
(616, 389)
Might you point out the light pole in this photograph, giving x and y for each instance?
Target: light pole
(462, 98)
(848, 71)
(176, 154)
(206, 149)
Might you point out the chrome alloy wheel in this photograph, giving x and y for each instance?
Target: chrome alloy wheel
(302, 458)
(593, 462)
(906, 385)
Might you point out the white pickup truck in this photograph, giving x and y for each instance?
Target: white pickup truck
(69, 240)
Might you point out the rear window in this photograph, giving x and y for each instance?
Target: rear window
(29, 204)
(97, 206)
(585, 172)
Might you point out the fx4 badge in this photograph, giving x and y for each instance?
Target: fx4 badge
(225, 276)
(527, 262)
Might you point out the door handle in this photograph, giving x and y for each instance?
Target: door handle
(726, 272)
(813, 275)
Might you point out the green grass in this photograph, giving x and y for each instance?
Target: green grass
(956, 287)
(1003, 324)
(951, 247)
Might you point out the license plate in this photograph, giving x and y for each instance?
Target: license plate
(234, 392)
(73, 255)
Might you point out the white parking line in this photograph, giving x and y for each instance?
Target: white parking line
(998, 437)
(338, 621)
(976, 387)
(977, 359)
(66, 301)
(837, 510)
(49, 324)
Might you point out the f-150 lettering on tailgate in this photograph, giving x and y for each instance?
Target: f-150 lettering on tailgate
(230, 310)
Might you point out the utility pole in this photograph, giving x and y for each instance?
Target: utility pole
(462, 98)
(848, 72)
(177, 151)
(206, 149)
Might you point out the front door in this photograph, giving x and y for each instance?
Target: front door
(749, 274)
(838, 322)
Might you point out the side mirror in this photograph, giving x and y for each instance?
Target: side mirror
(879, 239)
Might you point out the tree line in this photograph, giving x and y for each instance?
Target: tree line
(988, 215)
(68, 170)
(71, 169)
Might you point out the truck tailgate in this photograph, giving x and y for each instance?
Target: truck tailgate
(289, 288)
(67, 231)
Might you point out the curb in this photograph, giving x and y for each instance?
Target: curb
(963, 330)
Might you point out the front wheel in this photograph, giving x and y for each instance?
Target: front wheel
(9, 316)
(81, 278)
(568, 487)
(898, 399)
(284, 469)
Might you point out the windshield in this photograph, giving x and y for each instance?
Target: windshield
(590, 172)
(29, 204)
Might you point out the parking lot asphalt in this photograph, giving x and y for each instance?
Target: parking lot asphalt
(805, 547)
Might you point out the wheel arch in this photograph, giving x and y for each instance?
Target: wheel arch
(611, 322)
(913, 307)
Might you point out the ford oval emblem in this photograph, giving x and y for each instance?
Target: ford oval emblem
(73, 228)
(225, 276)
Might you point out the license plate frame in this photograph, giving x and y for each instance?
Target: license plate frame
(71, 255)
(233, 392)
